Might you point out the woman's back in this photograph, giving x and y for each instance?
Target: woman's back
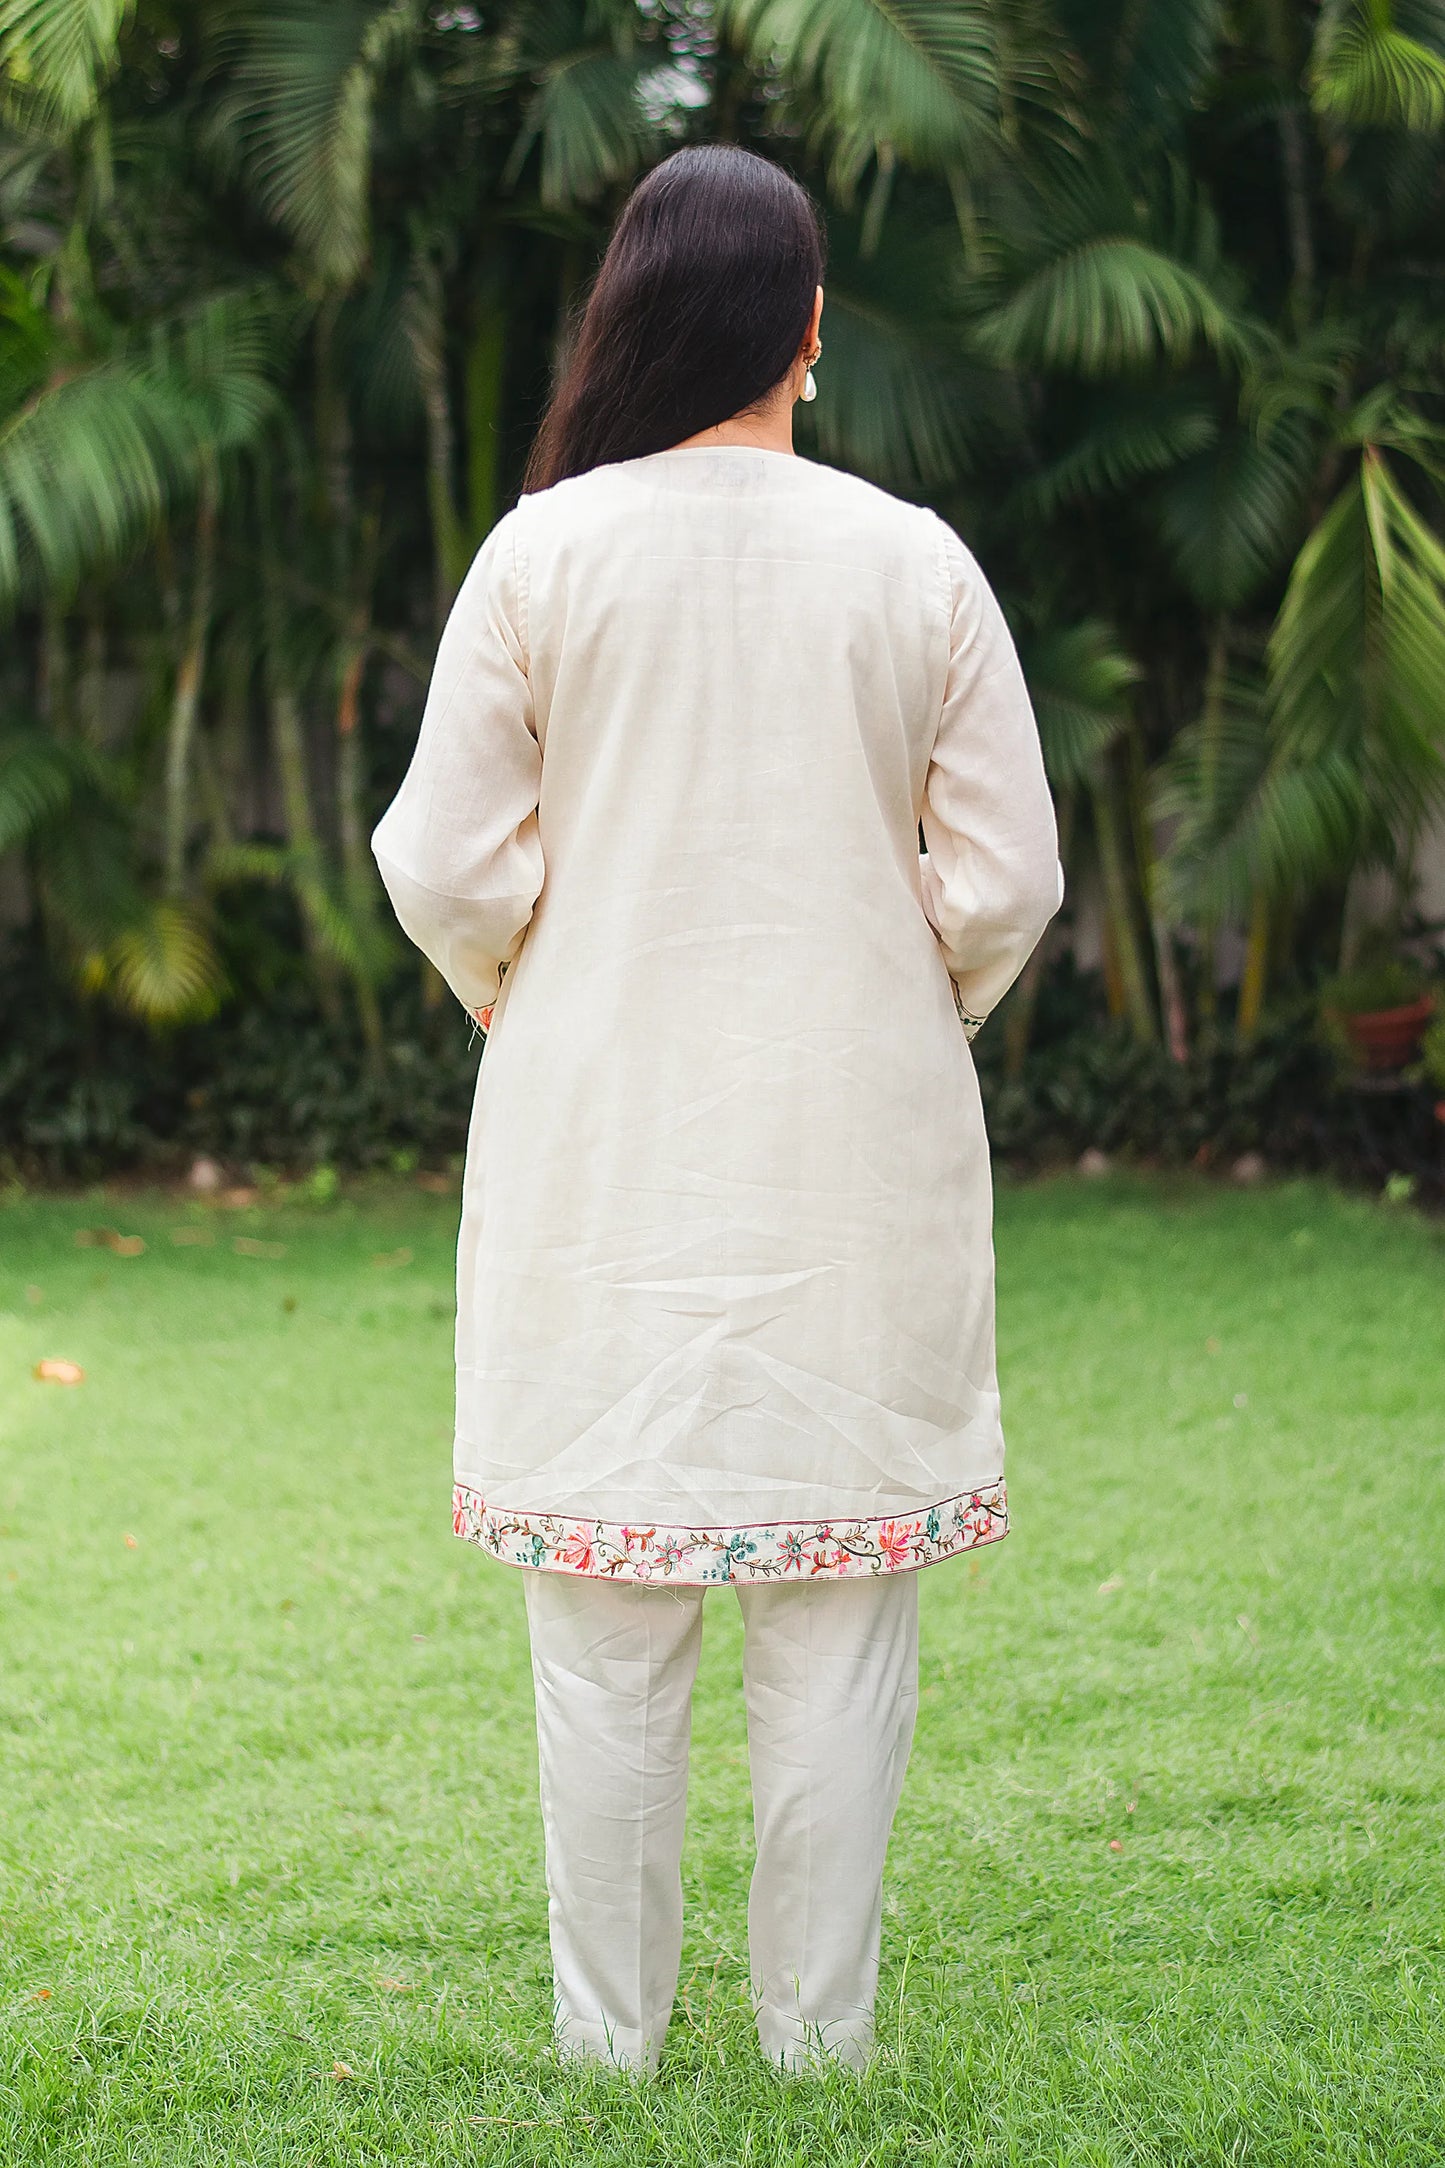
(726, 1266)
(736, 660)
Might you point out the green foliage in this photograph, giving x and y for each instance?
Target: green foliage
(163, 966)
(268, 1080)
(1369, 74)
(1142, 296)
(55, 55)
(1367, 989)
(1230, 514)
(1120, 439)
(1107, 305)
(1432, 1053)
(922, 76)
(297, 111)
(1357, 664)
(1079, 682)
(100, 450)
(151, 958)
(585, 107)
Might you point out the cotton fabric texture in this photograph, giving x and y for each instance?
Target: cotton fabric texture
(725, 1269)
(830, 1682)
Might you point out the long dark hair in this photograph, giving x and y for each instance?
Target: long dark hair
(696, 312)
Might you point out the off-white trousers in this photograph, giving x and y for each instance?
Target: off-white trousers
(830, 1673)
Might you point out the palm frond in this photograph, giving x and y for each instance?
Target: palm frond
(1126, 439)
(94, 459)
(588, 116)
(1079, 680)
(919, 75)
(1356, 659)
(1108, 305)
(1230, 515)
(164, 968)
(1369, 74)
(299, 104)
(340, 935)
(55, 54)
(897, 398)
(153, 959)
(1246, 816)
(38, 778)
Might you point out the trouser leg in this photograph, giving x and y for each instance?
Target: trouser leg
(831, 1683)
(613, 1666)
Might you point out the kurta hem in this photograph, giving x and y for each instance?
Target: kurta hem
(702, 1557)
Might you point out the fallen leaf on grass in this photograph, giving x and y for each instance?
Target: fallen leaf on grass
(42, 1994)
(132, 1543)
(1115, 1845)
(394, 1987)
(54, 1371)
(192, 1237)
(248, 1246)
(392, 1257)
(339, 2071)
(1112, 1586)
(109, 1238)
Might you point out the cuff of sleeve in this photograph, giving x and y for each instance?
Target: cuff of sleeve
(483, 1015)
(971, 1024)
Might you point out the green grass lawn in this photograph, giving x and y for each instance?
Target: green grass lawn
(1168, 1882)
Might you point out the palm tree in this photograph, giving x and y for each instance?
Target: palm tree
(1143, 297)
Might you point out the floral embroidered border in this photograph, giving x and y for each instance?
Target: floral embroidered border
(609, 1550)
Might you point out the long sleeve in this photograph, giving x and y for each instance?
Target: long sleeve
(458, 848)
(990, 875)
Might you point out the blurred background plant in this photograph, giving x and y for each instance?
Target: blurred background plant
(1146, 296)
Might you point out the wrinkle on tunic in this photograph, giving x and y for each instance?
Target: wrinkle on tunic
(725, 1267)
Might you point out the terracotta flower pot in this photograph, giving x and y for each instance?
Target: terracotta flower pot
(1389, 1038)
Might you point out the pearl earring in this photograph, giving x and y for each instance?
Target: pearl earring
(810, 389)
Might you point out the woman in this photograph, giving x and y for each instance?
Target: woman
(725, 1274)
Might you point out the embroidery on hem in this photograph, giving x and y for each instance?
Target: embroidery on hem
(610, 1550)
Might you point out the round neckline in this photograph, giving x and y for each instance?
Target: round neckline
(768, 451)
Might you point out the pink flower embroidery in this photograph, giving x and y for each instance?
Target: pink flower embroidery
(894, 1539)
(578, 1556)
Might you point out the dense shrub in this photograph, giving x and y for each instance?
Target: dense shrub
(83, 1093)
(271, 1082)
(1283, 1096)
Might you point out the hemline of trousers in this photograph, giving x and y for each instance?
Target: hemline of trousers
(830, 1681)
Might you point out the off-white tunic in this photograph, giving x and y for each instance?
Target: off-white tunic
(725, 1272)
